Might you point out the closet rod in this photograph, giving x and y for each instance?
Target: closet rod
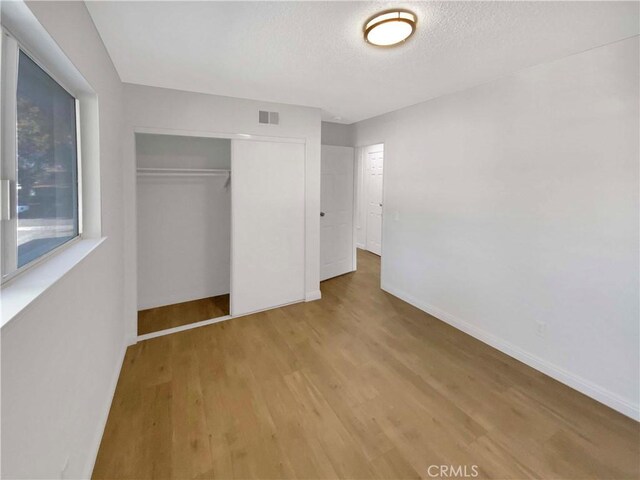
(184, 172)
(181, 174)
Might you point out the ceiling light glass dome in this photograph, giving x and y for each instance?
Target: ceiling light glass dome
(390, 27)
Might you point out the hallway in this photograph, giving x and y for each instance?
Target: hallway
(356, 385)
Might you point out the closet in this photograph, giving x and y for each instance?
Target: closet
(220, 228)
(184, 229)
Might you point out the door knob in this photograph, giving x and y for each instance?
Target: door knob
(322, 214)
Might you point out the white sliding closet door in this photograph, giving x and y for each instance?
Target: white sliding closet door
(267, 201)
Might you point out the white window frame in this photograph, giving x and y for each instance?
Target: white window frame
(11, 48)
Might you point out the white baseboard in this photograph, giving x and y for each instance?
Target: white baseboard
(105, 413)
(182, 328)
(204, 323)
(576, 382)
(311, 296)
(362, 246)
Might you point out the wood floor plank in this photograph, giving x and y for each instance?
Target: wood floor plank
(393, 466)
(170, 316)
(356, 385)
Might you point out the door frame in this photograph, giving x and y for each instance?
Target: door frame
(362, 159)
(354, 212)
(204, 134)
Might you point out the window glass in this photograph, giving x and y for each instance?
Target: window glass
(47, 164)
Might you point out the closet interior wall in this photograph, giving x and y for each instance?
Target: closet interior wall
(184, 220)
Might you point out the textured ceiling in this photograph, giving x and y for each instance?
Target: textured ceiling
(312, 53)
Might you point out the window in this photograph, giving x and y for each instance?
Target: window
(41, 171)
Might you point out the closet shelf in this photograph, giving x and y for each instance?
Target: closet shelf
(184, 172)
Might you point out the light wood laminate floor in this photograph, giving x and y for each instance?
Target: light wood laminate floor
(176, 315)
(356, 385)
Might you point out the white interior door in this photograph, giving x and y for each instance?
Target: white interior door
(268, 216)
(374, 168)
(336, 217)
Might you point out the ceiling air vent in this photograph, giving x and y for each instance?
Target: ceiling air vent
(272, 118)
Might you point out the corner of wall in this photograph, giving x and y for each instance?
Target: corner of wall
(311, 296)
(576, 382)
(95, 447)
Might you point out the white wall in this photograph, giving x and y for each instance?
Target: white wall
(61, 356)
(172, 151)
(173, 111)
(516, 202)
(337, 134)
(184, 223)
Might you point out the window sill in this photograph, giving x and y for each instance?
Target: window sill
(18, 293)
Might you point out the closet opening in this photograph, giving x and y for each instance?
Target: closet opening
(183, 230)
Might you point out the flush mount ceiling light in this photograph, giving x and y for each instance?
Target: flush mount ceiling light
(390, 27)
